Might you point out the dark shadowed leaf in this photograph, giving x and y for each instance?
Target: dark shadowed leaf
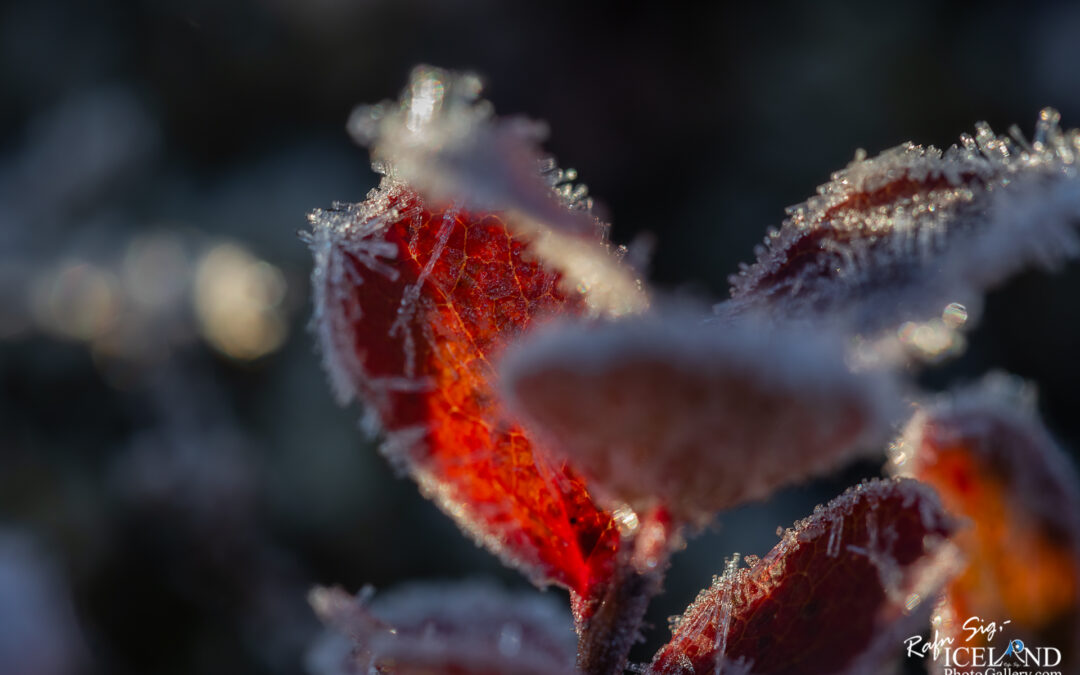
(837, 595)
(895, 241)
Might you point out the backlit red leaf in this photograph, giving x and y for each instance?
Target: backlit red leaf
(414, 303)
(988, 455)
(837, 594)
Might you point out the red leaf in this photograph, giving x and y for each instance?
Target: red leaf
(414, 303)
(988, 455)
(835, 595)
(899, 237)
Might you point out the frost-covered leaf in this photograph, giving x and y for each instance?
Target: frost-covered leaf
(463, 629)
(446, 142)
(471, 239)
(414, 302)
(899, 237)
(836, 595)
(993, 462)
(693, 417)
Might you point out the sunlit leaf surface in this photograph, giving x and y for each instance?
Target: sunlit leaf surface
(413, 306)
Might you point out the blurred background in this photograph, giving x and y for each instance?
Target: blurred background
(174, 475)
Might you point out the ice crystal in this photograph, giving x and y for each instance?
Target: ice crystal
(693, 416)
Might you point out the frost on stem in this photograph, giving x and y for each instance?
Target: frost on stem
(836, 595)
(897, 238)
(695, 417)
(987, 453)
(463, 629)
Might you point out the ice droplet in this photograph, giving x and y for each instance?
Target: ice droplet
(913, 601)
(955, 315)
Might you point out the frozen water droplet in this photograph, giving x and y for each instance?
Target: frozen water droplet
(955, 315)
(1048, 121)
(626, 519)
(913, 601)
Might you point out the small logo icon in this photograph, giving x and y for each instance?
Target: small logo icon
(1015, 647)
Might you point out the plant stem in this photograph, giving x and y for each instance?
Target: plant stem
(609, 622)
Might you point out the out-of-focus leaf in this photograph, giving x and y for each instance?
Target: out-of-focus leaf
(430, 629)
(989, 456)
(667, 411)
(445, 141)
